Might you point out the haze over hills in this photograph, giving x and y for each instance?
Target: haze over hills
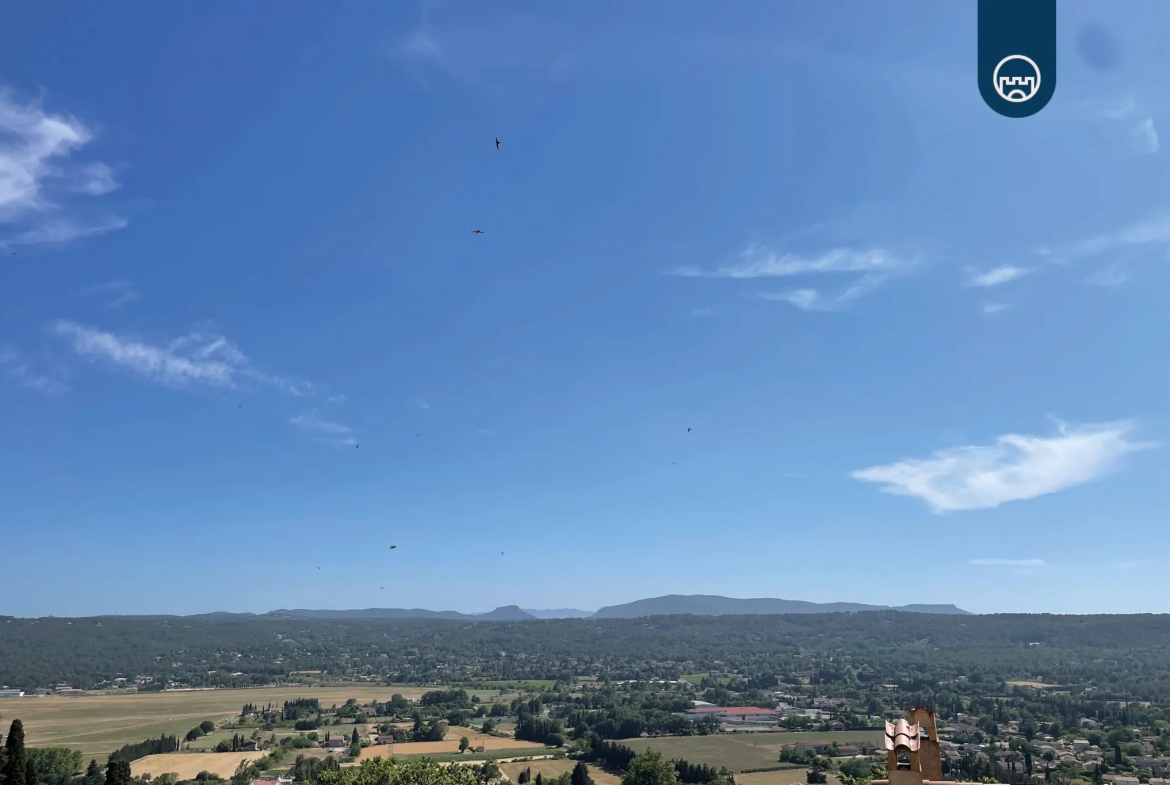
(671, 604)
(504, 613)
(559, 613)
(695, 604)
(714, 605)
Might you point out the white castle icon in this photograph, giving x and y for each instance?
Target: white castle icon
(1016, 89)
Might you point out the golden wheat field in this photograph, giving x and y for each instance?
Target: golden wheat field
(554, 768)
(187, 764)
(99, 724)
(449, 744)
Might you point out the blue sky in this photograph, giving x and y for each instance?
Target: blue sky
(910, 335)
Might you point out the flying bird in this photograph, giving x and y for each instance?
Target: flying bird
(688, 430)
(392, 547)
(477, 231)
(497, 143)
(356, 446)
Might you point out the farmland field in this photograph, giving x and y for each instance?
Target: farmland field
(738, 751)
(786, 777)
(188, 764)
(99, 724)
(448, 745)
(524, 684)
(554, 768)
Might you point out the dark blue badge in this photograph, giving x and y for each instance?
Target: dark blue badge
(1017, 55)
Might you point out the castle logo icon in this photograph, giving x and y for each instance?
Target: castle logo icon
(1016, 78)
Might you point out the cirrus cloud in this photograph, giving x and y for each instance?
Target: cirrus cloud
(37, 175)
(196, 359)
(1013, 468)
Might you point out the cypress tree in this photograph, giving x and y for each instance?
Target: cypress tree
(15, 759)
(580, 775)
(30, 772)
(118, 772)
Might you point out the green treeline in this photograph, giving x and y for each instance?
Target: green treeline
(131, 752)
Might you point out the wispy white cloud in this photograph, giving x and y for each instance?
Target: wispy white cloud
(993, 309)
(1135, 134)
(418, 45)
(58, 231)
(804, 299)
(322, 430)
(997, 275)
(1145, 137)
(422, 404)
(1006, 562)
(1110, 277)
(196, 359)
(1132, 564)
(1013, 468)
(814, 300)
(1150, 235)
(114, 294)
(875, 266)
(759, 262)
(16, 367)
(95, 179)
(36, 170)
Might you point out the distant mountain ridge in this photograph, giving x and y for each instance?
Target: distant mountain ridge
(671, 604)
(714, 605)
(503, 613)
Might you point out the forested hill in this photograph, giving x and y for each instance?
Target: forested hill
(715, 605)
(1129, 654)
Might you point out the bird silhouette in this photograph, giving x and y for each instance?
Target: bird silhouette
(392, 547)
(477, 231)
(356, 446)
(497, 143)
(318, 568)
(688, 430)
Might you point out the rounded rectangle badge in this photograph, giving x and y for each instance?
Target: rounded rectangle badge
(1017, 55)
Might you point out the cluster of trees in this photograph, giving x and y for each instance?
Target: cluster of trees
(235, 744)
(141, 749)
(578, 776)
(620, 757)
(454, 698)
(539, 729)
(380, 771)
(434, 730)
(20, 765)
(202, 729)
(1120, 655)
(301, 707)
(651, 768)
(702, 774)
